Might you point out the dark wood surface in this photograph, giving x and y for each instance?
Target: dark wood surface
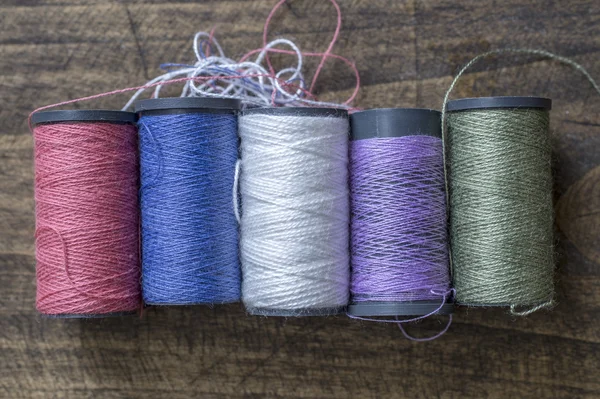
(407, 52)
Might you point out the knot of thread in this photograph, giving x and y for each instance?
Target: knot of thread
(189, 232)
(501, 229)
(295, 214)
(87, 240)
(399, 237)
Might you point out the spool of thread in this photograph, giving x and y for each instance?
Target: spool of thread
(398, 205)
(87, 237)
(188, 152)
(295, 213)
(500, 186)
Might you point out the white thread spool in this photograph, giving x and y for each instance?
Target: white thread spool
(295, 211)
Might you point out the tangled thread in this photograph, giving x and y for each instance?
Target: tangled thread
(255, 82)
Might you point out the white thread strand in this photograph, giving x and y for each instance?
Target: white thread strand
(263, 90)
(295, 214)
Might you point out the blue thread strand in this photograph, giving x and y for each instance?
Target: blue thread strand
(189, 231)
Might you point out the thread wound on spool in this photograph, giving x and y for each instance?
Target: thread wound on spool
(87, 239)
(189, 232)
(399, 239)
(500, 187)
(295, 213)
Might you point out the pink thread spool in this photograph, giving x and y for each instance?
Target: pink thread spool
(87, 215)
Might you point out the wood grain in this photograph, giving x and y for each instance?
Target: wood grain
(407, 53)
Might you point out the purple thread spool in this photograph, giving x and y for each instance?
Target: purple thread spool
(399, 238)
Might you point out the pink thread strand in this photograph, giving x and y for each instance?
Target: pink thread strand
(323, 55)
(128, 89)
(283, 82)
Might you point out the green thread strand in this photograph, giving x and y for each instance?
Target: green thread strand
(501, 206)
(474, 60)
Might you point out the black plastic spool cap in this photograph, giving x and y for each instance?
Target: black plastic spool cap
(77, 115)
(298, 111)
(512, 102)
(395, 122)
(186, 105)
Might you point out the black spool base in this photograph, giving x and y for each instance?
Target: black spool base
(296, 312)
(500, 305)
(418, 308)
(88, 315)
(190, 303)
(485, 305)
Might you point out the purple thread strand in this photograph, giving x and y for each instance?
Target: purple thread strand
(426, 339)
(399, 236)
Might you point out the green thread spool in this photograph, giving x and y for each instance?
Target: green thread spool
(500, 199)
(486, 276)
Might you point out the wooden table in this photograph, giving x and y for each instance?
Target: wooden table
(407, 52)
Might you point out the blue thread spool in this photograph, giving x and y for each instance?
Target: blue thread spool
(188, 151)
